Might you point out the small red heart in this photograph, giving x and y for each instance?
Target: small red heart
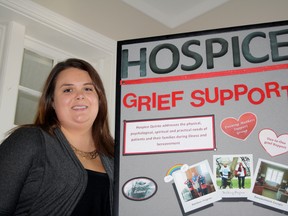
(239, 128)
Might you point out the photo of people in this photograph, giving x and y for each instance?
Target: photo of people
(195, 186)
(233, 174)
(270, 185)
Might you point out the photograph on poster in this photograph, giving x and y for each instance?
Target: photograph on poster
(140, 188)
(195, 187)
(233, 174)
(270, 185)
(169, 135)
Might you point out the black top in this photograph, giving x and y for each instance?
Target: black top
(95, 200)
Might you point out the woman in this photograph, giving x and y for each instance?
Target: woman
(241, 174)
(63, 163)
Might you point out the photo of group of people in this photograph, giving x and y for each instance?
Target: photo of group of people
(233, 174)
(195, 186)
(196, 183)
(232, 177)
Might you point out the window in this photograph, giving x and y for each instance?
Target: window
(274, 175)
(35, 69)
(38, 60)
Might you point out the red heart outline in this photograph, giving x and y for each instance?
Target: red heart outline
(239, 128)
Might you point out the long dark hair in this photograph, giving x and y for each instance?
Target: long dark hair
(46, 117)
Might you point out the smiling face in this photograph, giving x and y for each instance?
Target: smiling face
(75, 102)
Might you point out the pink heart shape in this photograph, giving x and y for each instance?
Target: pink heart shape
(239, 128)
(273, 144)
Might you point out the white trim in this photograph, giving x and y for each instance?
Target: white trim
(30, 92)
(2, 49)
(45, 49)
(11, 68)
(59, 23)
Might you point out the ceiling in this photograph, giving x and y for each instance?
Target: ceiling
(174, 13)
(129, 19)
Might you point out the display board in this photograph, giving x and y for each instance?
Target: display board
(201, 123)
